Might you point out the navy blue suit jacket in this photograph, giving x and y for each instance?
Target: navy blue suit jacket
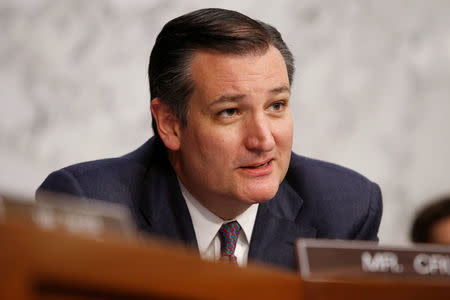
(315, 200)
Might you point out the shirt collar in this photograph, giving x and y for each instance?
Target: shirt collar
(206, 224)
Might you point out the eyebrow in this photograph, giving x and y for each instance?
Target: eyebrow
(281, 89)
(237, 97)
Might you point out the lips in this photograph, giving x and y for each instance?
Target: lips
(258, 165)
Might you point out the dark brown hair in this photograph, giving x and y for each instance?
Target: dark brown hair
(222, 30)
(427, 217)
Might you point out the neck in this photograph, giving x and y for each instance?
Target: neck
(225, 214)
(226, 209)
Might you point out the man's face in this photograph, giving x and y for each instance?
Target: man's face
(235, 149)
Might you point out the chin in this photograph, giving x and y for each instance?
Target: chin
(261, 195)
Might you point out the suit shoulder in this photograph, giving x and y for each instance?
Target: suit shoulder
(108, 165)
(341, 202)
(105, 179)
(320, 172)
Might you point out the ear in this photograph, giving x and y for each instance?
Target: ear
(167, 123)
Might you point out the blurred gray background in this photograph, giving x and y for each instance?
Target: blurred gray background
(371, 90)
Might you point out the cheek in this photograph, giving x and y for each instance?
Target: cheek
(215, 145)
(284, 134)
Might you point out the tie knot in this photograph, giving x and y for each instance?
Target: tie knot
(229, 233)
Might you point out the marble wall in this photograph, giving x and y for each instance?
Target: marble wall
(371, 92)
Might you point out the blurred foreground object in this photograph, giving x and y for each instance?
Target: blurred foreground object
(432, 223)
(97, 256)
(60, 212)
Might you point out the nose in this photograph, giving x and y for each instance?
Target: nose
(258, 134)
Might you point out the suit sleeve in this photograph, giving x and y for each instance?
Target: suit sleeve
(61, 181)
(369, 228)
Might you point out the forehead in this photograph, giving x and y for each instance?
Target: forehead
(214, 73)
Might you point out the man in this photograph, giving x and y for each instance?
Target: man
(219, 173)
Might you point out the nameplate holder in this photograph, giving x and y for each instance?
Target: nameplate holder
(338, 259)
(74, 215)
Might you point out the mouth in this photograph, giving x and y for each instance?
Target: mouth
(258, 166)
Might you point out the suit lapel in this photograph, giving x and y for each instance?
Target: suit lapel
(162, 207)
(278, 224)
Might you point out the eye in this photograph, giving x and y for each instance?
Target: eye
(229, 112)
(277, 106)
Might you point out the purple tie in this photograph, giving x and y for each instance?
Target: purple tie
(229, 233)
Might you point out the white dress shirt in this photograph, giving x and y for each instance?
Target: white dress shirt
(207, 225)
